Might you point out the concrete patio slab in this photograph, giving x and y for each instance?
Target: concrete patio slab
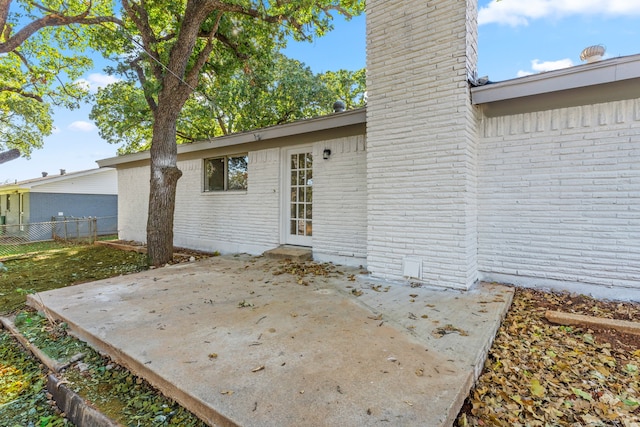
(241, 341)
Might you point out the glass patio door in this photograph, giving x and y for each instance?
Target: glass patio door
(299, 225)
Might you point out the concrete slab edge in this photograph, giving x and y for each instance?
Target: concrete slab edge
(478, 365)
(197, 407)
(75, 408)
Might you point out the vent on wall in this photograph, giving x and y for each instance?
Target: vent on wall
(412, 267)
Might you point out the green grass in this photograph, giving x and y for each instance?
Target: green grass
(62, 266)
(11, 250)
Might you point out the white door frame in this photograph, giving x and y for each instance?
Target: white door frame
(300, 236)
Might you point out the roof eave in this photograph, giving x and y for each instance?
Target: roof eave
(332, 121)
(581, 76)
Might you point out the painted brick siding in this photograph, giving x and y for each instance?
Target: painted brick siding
(133, 203)
(421, 139)
(230, 221)
(559, 196)
(340, 202)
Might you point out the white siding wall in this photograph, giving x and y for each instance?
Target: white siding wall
(421, 139)
(559, 196)
(102, 181)
(340, 202)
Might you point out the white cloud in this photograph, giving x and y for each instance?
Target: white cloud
(538, 66)
(521, 12)
(82, 126)
(96, 80)
(523, 73)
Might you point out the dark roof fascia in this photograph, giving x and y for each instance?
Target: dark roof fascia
(319, 124)
(581, 76)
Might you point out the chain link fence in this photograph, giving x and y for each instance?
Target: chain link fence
(16, 239)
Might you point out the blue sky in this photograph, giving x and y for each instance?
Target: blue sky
(516, 38)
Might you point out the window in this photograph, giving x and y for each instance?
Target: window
(225, 173)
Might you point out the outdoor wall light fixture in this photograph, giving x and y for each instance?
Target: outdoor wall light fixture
(326, 154)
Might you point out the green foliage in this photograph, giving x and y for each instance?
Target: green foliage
(347, 86)
(273, 90)
(123, 116)
(24, 121)
(42, 70)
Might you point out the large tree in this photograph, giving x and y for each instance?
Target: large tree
(170, 44)
(41, 45)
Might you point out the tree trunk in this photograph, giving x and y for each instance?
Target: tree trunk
(164, 180)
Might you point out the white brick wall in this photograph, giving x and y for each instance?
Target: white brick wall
(421, 139)
(559, 196)
(340, 202)
(250, 221)
(230, 221)
(133, 203)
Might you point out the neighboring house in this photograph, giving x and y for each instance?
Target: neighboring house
(90, 193)
(532, 181)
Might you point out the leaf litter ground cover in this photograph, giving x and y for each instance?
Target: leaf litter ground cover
(114, 390)
(541, 374)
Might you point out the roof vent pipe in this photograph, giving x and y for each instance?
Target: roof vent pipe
(592, 53)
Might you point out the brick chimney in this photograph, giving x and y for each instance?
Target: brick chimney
(422, 141)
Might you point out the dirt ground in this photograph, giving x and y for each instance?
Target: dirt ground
(581, 304)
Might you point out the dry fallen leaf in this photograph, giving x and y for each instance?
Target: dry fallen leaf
(539, 374)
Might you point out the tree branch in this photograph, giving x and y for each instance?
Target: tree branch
(53, 19)
(234, 47)
(185, 136)
(202, 57)
(4, 14)
(140, 18)
(153, 106)
(21, 92)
